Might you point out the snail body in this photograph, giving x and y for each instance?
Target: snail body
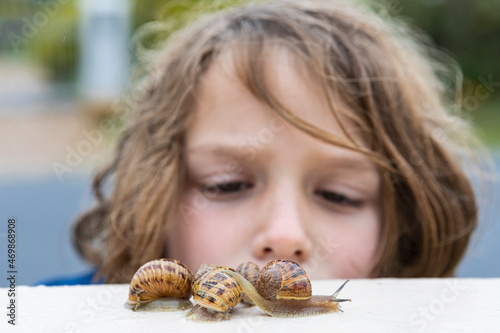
(284, 290)
(215, 294)
(162, 285)
(249, 271)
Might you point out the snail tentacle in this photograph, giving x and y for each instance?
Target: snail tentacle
(335, 294)
(138, 294)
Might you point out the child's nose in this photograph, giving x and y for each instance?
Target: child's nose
(283, 233)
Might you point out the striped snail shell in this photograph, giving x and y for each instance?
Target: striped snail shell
(249, 271)
(162, 284)
(215, 294)
(283, 279)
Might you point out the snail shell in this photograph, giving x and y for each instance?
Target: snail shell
(249, 271)
(158, 279)
(217, 291)
(215, 294)
(283, 279)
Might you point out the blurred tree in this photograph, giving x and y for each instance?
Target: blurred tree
(43, 31)
(180, 11)
(468, 29)
(56, 46)
(172, 15)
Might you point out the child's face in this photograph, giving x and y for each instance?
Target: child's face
(259, 189)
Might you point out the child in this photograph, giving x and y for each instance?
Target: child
(304, 130)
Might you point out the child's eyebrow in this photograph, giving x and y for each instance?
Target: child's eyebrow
(344, 161)
(240, 154)
(355, 163)
(217, 149)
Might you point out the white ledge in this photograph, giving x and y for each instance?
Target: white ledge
(378, 305)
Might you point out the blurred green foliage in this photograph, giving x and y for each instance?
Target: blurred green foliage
(468, 29)
(56, 44)
(41, 31)
(180, 11)
(173, 15)
(487, 119)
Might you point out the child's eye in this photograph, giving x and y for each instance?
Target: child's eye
(226, 188)
(339, 199)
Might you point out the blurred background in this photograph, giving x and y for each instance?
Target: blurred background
(63, 63)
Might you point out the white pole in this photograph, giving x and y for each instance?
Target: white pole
(104, 56)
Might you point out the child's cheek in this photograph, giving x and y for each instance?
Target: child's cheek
(352, 245)
(209, 235)
(359, 255)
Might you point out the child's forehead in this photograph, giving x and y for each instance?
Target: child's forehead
(226, 93)
(277, 69)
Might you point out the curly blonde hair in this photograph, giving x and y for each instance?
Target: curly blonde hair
(396, 92)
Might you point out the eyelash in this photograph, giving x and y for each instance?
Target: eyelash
(339, 199)
(233, 187)
(226, 188)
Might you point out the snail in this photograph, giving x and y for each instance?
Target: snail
(215, 294)
(284, 290)
(162, 285)
(249, 271)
